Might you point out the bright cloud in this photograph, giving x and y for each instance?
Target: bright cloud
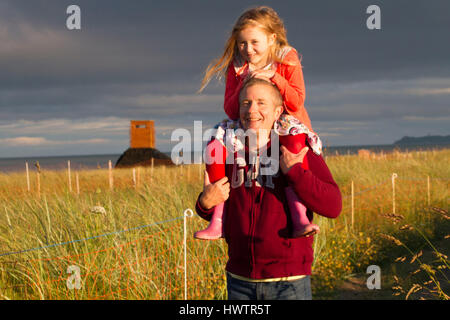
(41, 141)
(428, 91)
(93, 126)
(24, 141)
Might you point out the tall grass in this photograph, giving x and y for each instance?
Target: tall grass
(147, 262)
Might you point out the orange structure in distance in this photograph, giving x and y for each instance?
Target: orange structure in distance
(142, 134)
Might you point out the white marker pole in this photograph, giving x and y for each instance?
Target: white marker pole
(187, 213)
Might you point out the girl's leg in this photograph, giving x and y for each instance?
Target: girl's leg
(300, 222)
(216, 171)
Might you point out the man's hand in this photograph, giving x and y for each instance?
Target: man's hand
(289, 159)
(214, 193)
(262, 74)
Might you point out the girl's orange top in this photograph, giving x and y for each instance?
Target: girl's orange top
(288, 78)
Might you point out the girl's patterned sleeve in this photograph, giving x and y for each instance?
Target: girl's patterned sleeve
(232, 88)
(292, 87)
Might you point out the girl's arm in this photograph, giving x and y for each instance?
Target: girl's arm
(232, 88)
(291, 84)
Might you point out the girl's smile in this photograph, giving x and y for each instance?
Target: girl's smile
(254, 46)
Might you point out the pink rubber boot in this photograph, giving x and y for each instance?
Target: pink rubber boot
(300, 222)
(216, 154)
(214, 230)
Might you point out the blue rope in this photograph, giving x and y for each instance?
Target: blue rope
(161, 222)
(90, 238)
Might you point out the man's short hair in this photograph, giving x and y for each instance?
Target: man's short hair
(277, 98)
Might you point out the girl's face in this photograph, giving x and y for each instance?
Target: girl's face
(254, 44)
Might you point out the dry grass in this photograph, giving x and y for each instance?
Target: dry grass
(147, 263)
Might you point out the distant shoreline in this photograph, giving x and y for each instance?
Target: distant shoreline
(86, 162)
(77, 162)
(380, 147)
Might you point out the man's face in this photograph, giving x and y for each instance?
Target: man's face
(257, 109)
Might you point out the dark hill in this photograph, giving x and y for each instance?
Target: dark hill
(142, 157)
(422, 141)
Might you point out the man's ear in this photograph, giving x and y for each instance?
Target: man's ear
(278, 111)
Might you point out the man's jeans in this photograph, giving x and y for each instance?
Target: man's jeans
(282, 290)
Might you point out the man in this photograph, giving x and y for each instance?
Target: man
(264, 263)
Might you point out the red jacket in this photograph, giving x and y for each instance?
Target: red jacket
(288, 78)
(257, 221)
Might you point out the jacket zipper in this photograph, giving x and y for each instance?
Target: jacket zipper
(252, 231)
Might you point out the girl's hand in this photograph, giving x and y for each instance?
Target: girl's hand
(289, 159)
(214, 193)
(262, 74)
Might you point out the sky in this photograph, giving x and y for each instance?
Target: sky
(74, 92)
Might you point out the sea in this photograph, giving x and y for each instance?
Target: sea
(77, 162)
(85, 162)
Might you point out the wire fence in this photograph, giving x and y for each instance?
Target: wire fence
(150, 267)
(156, 266)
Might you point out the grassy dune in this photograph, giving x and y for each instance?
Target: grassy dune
(134, 249)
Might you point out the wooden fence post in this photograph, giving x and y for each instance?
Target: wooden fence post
(78, 183)
(111, 181)
(353, 204)
(70, 178)
(138, 177)
(28, 177)
(394, 176)
(151, 171)
(38, 179)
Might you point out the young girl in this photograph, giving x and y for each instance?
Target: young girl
(258, 48)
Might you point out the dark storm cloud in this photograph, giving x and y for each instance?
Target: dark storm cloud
(145, 59)
(120, 42)
(150, 41)
(388, 99)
